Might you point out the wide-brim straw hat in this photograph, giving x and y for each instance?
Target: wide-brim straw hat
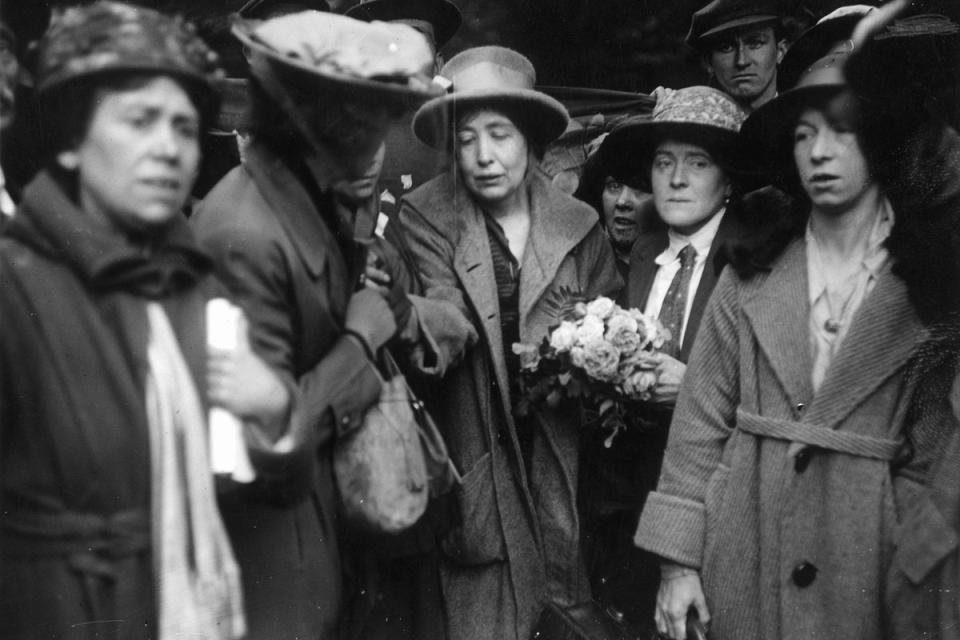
(377, 64)
(702, 115)
(490, 77)
(721, 16)
(110, 38)
(444, 16)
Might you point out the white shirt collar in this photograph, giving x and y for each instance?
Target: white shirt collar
(701, 239)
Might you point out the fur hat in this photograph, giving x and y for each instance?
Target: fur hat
(383, 64)
(703, 114)
(110, 37)
(491, 77)
(443, 15)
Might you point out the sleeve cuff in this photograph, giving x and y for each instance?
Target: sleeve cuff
(673, 528)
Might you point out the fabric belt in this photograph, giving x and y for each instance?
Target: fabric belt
(813, 436)
(91, 543)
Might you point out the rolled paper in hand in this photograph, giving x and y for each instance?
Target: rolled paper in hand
(228, 449)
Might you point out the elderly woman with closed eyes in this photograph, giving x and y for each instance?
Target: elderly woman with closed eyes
(493, 239)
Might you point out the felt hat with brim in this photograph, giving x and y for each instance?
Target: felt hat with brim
(112, 38)
(700, 115)
(720, 16)
(767, 135)
(377, 64)
(443, 15)
(818, 41)
(493, 78)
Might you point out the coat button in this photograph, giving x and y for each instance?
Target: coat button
(804, 574)
(800, 407)
(802, 460)
(345, 419)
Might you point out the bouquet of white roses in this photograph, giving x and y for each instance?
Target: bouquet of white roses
(599, 353)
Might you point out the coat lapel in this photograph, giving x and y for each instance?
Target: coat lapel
(778, 312)
(297, 213)
(885, 333)
(643, 269)
(556, 228)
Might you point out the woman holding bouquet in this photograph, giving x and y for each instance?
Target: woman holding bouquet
(493, 239)
(781, 485)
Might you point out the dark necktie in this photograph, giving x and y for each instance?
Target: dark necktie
(675, 302)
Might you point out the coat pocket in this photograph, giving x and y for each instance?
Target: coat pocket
(924, 540)
(477, 538)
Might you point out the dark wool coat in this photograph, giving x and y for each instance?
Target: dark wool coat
(276, 250)
(516, 544)
(75, 538)
(781, 497)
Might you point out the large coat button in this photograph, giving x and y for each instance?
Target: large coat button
(802, 460)
(804, 574)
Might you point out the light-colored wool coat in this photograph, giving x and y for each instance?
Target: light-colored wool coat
(516, 543)
(743, 500)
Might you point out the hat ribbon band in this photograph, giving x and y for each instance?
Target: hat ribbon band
(488, 75)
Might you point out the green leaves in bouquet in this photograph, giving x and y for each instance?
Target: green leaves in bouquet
(560, 303)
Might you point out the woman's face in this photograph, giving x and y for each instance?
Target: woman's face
(623, 212)
(830, 163)
(139, 157)
(689, 187)
(492, 155)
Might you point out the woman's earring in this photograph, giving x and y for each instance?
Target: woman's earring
(69, 160)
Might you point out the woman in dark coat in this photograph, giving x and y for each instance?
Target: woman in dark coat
(110, 525)
(493, 240)
(287, 234)
(781, 488)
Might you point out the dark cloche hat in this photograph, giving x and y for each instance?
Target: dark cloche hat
(818, 41)
(443, 15)
(109, 37)
(723, 15)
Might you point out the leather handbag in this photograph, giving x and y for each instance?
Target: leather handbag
(388, 467)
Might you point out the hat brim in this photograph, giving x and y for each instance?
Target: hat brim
(305, 76)
(545, 117)
(627, 152)
(767, 134)
(444, 16)
(707, 37)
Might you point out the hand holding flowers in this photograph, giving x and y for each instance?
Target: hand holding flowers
(600, 353)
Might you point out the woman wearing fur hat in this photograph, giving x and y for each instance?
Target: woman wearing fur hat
(110, 526)
(494, 240)
(782, 483)
(289, 236)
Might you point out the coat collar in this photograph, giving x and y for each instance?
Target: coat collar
(295, 209)
(885, 333)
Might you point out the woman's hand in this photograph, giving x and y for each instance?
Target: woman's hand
(240, 382)
(378, 278)
(680, 589)
(670, 372)
(370, 318)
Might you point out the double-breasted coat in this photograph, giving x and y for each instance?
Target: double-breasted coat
(783, 498)
(516, 543)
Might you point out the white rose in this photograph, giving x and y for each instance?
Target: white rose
(601, 307)
(564, 336)
(602, 360)
(578, 357)
(590, 330)
(622, 332)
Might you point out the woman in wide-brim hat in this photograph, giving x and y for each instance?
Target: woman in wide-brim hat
(111, 525)
(782, 482)
(494, 240)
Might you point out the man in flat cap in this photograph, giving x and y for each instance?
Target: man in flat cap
(741, 42)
